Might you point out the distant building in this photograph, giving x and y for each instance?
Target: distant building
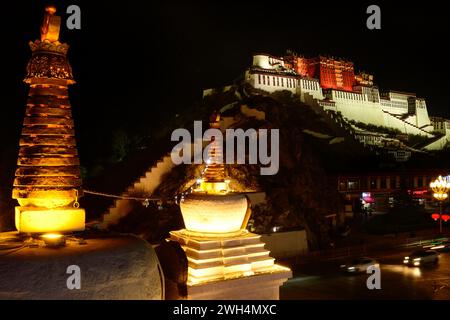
(376, 190)
(441, 125)
(333, 84)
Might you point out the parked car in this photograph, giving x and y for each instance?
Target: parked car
(421, 257)
(359, 265)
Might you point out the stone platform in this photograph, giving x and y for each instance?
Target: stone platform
(230, 267)
(112, 267)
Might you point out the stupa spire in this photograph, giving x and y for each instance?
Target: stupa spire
(48, 182)
(215, 169)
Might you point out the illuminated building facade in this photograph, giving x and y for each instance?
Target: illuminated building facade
(332, 73)
(377, 189)
(47, 180)
(334, 86)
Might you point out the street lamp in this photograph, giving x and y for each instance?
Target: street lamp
(440, 189)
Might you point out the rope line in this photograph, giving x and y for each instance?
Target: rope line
(121, 197)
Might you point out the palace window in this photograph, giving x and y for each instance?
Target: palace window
(353, 185)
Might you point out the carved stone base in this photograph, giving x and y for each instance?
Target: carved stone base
(265, 286)
(42, 220)
(230, 267)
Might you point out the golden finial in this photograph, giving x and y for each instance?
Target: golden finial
(51, 25)
(215, 170)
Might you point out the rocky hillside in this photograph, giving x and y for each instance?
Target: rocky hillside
(301, 194)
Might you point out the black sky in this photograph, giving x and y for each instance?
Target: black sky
(144, 61)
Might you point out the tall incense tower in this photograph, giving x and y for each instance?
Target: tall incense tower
(47, 182)
(225, 261)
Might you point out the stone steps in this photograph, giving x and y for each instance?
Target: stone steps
(144, 185)
(147, 184)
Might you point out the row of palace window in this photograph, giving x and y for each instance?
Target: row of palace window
(276, 81)
(441, 125)
(290, 83)
(310, 85)
(349, 95)
(384, 182)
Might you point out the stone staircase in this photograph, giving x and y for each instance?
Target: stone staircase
(146, 184)
(426, 133)
(350, 131)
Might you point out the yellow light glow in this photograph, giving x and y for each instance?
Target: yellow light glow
(46, 199)
(54, 239)
(38, 220)
(52, 236)
(199, 276)
(440, 188)
(213, 213)
(213, 187)
(224, 259)
(224, 250)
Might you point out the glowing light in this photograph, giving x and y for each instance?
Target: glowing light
(207, 213)
(437, 247)
(54, 239)
(435, 216)
(52, 236)
(440, 188)
(38, 220)
(213, 187)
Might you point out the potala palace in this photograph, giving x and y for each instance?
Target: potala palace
(333, 85)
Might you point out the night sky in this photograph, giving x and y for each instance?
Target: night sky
(141, 62)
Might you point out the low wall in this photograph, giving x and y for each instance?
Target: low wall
(286, 244)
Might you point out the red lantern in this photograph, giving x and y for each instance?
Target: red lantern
(435, 216)
(445, 217)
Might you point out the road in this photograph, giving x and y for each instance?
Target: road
(324, 280)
